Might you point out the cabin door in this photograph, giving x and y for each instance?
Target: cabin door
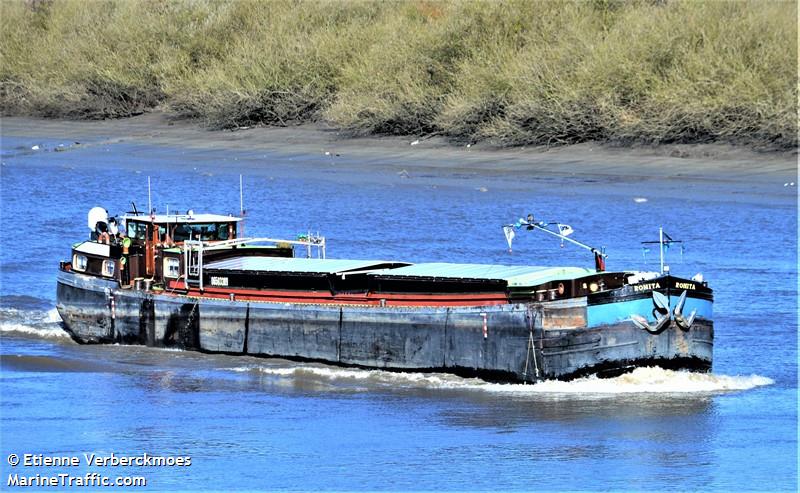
(194, 263)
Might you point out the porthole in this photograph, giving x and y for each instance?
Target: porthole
(79, 262)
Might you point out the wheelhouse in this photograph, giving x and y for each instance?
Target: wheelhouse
(154, 247)
(175, 229)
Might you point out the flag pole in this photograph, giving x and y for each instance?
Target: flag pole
(664, 242)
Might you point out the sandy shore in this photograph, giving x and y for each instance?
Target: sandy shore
(705, 162)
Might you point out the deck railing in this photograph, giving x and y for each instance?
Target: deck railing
(193, 252)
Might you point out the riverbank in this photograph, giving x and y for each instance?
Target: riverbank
(509, 74)
(718, 162)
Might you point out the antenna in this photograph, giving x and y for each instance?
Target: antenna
(149, 199)
(241, 196)
(240, 231)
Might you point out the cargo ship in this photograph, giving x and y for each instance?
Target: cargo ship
(191, 281)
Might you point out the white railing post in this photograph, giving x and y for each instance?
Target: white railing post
(200, 264)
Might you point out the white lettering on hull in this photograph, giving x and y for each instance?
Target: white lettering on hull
(219, 281)
(646, 287)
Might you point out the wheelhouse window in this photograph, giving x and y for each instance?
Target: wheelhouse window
(137, 230)
(79, 262)
(200, 231)
(108, 268)
(172, 267)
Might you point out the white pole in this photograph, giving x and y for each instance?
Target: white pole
(578, 243)
(241, 196)
(661, 246)
(149, 199)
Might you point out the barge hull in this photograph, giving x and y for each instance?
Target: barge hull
(511, 342)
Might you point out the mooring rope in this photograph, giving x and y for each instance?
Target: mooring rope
(531, 347)
(172, 290)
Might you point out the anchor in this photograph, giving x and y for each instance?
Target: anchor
(683, 323)
(662, 314)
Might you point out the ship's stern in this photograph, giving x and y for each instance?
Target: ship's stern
(85, 306)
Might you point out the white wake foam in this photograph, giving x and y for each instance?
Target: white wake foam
(29, 330)
(44, 324)
(53, 316)
(651, 380)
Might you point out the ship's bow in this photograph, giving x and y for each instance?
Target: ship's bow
(664, 322)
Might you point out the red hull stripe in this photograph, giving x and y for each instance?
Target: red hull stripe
(318, 297)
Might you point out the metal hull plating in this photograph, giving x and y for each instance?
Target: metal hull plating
(511, 342)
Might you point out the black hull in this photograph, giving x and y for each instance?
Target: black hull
(514, 342)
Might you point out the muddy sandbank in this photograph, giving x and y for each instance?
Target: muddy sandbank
(717, 162)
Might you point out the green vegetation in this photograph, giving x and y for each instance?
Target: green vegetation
(507, 73)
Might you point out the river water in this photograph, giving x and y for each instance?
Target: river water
(250, 423)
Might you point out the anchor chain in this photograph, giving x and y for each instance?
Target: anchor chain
(185, 330)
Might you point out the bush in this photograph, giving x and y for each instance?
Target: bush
(516, 72)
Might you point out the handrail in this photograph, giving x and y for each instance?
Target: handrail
(193, 264)
(316, 241)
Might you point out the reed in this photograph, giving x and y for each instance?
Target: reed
(509, 73)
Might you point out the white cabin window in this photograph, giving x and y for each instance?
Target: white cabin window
(79, 262)
(172, 267)
(108, 268)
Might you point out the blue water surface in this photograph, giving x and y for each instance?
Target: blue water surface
(256, 424)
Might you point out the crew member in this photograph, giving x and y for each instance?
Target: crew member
(113, 228)
(101, 230)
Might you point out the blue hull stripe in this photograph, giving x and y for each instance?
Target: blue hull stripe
(611, 313)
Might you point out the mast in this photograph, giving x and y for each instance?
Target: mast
(574, 242)
(664, 241)
(542, 226)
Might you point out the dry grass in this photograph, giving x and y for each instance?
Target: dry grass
(516, 72)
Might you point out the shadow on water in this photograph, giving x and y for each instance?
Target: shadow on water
(501, 412)
(467, 402)
(29, 363)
